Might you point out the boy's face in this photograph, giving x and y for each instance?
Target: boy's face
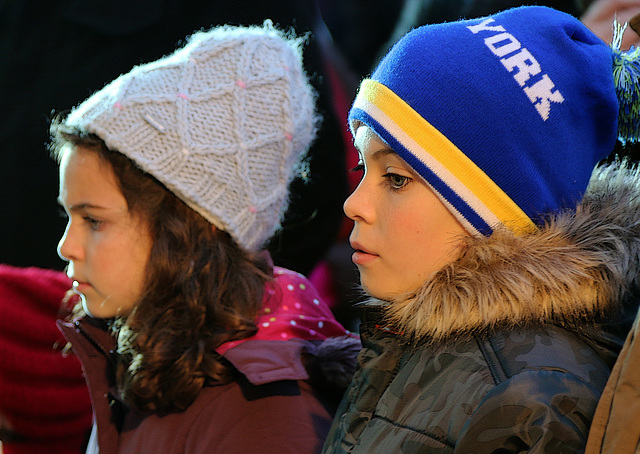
(402, 232)
(107, 249)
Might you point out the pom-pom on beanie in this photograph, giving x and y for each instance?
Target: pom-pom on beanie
(504, 117)
(222, 123)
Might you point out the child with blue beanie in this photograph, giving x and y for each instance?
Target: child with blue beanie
(500, 253)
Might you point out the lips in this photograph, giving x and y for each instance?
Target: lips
(361, 256)
(79, 286)
(359, 247)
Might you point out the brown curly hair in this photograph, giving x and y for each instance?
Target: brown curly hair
(201, 290)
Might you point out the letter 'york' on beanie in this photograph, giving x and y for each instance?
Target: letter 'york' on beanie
(504, 117)
(222, 123)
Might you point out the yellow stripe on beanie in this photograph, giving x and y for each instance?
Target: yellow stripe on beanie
(442, 157)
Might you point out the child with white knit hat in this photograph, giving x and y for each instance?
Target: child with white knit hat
(500, 265)
(173, 177)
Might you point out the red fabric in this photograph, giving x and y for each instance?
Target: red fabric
(324, 281)
(43, 394)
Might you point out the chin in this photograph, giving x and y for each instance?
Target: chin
(382, 292)
(93, 311)
(375, 292)
(85, 307)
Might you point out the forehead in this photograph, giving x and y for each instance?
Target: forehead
(371, 147)
(84, 174)
(78, 157)
(366, 139)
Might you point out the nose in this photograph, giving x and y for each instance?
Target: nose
(357, 207)
(68, 247)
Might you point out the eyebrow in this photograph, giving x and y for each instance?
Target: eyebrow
(378, 153)
(382, 152)
(80, 206)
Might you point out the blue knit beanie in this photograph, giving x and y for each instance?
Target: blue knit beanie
(505, 117)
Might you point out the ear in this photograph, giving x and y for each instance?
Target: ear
(214, 229)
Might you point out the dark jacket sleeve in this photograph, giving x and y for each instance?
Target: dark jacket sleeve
(539, 411)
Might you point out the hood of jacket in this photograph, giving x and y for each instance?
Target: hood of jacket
(329, 363)
(579, 269)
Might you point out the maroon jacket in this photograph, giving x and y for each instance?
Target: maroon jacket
(284, 414)
(293, 373)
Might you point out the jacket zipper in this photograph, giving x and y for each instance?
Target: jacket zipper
(108, 354)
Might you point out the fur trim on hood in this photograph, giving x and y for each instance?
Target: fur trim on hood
(581, 266)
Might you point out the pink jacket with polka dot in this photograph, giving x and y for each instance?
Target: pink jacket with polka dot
(293, 373)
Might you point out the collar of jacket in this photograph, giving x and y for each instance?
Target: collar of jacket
(331, 361)
(579, 268)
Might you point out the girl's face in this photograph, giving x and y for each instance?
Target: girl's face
(106, 247)
(402, 232)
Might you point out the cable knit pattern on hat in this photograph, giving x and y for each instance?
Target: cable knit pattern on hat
(222, 123)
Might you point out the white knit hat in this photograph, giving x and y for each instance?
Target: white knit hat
(222, 123)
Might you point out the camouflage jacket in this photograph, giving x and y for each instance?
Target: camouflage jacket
(507, 349)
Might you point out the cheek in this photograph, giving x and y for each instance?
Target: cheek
(421, 245)
(405, 248)
(407, 226)
(139, 259)
(123, 261)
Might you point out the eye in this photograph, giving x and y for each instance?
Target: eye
(358, 168)
(62, 213)
(397, 182)
(94, 224)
